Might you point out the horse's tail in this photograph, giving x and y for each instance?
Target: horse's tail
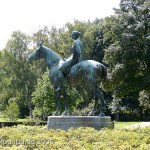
(104, 73)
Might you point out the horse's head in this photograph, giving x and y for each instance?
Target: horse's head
(50, 56)
(37, 54)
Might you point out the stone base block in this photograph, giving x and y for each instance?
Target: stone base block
(66, 122)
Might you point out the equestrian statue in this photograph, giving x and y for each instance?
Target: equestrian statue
(73, 72)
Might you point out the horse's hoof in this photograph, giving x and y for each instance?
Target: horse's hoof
(65, 113)
(101, 114)
(58, 89)
(56, 113)
(91, 114)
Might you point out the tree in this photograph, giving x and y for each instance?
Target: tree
(144, 98)
(43, 97)
(128, 52)
(42, 36)
(18, 79)
(100, 41)
(12, 110)
(115, 107)
(6, 77)
(129, 55)
(18, 45)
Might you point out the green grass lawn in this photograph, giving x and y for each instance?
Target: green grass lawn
(124, 124)
(3, 119)
(6, 120)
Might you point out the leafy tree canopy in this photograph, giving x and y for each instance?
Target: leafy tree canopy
(129, 55)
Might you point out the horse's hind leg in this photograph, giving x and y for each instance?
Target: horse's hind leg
(94, 110)
(100, 96)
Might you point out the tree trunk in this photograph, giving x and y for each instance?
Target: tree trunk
(43, 112)
(30, 103)
(117, 116)
(141, 113)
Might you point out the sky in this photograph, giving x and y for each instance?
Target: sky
(28, 16)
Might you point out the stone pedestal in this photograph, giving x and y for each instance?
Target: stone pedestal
(66, 122)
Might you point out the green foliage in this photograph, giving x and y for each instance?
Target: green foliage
(128, 56)
(144, 98)
(38, 137)
(43, 97)
(18, 45)
(18, 76)
(83, 111)
(74, 99)
(115, 105)
(12, 110)
(100, 40)
(41, 37)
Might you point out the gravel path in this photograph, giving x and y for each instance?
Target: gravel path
(142, 125)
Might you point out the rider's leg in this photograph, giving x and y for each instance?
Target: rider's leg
(60, 80)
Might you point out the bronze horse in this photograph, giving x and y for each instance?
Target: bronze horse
(86, 73)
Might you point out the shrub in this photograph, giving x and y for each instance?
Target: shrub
(38, 137)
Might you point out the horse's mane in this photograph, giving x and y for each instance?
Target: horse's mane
(51, 52)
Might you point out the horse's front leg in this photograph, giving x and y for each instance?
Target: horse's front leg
(57, 97)
(66, 112)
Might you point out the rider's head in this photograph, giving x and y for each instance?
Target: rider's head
(75, 34)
